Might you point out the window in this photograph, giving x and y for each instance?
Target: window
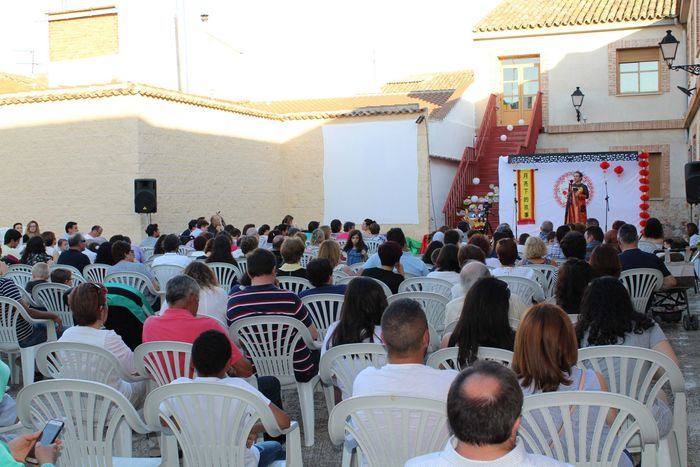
(655, 171)
(638, 71)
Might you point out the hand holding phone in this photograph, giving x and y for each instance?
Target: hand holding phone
(44, 450)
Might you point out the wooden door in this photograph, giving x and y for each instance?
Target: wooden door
(520, 78)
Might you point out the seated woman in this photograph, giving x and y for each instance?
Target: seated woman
(355, 248)
(653, 238)
(535, 252)
(605, 261)
(104, 254)
(544, 359)
(89, 305)
(447, 265)
(360, 318)
(213, 300)
(574, 275)
(483, 322)
(608, 318)
(221, 250)
(468, 252)
(330, 250)
(507, 252)
(292, 251)
(320, 275)
(317, 237)
(390, 257)
(432, 247)
(35, 252)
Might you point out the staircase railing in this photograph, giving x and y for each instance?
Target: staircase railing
(467, 169)
(534, 128)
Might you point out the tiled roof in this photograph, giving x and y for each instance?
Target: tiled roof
(273, 110)
(10, 82)
(511, 15)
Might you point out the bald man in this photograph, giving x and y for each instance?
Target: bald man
(483, 412)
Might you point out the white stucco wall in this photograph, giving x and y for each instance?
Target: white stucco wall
(449, 137)
(441, 175)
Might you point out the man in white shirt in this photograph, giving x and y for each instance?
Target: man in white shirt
(171, 244)
(412, 265)
(483, 412)
(95, 235)
(406, 337)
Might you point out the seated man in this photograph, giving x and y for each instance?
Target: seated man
(634, 258)
(406, 337)
(263, 298)
(10, 248)
(95, 235)
(152, 233)
(74, 256)
(320, 274)
(594, 237)
(483, 413)
(211, 355)
(413, 265)
(171, 244)
(27, 334)
(62, 276)
(40, 275)
(554, 249)
(390, 258)
(125, 261)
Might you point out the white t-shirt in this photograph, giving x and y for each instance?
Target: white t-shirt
(210, 427)
(493, 263)
(450, 276)
(172, 258)
(92, 256)
(449, 457)
(406, 379)
(694, 240)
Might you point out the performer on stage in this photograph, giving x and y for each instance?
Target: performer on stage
(576, 201)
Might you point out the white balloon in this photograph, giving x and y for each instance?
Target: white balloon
(476, 180)
(475, 199)
(504, 137)
(489, 194)
(521, 122)
(491, 186)
(509, 128)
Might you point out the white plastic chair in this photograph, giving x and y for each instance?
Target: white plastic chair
(242, 265)
(149, 262)
(76, 276)
(294, 284)
(447, 357)
(547, 277)
(522, 287)
(305, 258)
(211, 422)
(433, 305)
(165, 272)
(20, 277)
(270, 342)
(184, 250)
(372, 246)
(340, 366)
(338, 275)
(427, 284)
(98, 420)
(10, 314)
(164, 361)
(388, 430)
(226, 273)
(641, 283)
(357, 267)
(95, 272)
(559, 436)
(324, 310)
(19, 268)
(147, 252)
(136, 280)
(50, 296)
(573, 318)
(642, 374)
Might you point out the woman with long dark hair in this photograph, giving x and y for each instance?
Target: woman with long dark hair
(572, 279)
(447, 265)
(355, 248)
(35, 252)
(653, 238)
(104, 254)
(221, 250)
(484, 321)
(605, 261)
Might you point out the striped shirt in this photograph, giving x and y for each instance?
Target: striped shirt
(9, 289)
(264, 300)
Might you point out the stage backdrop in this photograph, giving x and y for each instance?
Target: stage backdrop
(551, 175)
(371, 170)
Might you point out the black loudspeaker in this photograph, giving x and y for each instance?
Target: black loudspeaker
(145, 199)
(692, 182)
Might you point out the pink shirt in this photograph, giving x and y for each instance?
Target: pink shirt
(176, 324)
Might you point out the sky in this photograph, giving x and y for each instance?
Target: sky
(280, 49)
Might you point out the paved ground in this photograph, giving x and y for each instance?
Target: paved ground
(685, 343)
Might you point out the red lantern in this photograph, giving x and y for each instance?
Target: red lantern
(644, 215)
(644, 163)
(644, 188)
(605, 165)
(644, 155)
(644, 206)
(618, 170)
(643, 222)
(644, 181)
(644, 173)
(644, 197)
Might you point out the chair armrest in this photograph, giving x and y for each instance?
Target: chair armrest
(51, 335)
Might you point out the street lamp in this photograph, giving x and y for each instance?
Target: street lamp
(577, 99)
(669, 47)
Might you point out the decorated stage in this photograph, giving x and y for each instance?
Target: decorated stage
(534, 187)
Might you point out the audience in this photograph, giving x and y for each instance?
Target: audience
(213, 300)
(263, 298)
(572, 280)
(483, 412)
(95, 235)
(10, 248)
(104, 254)
(545, 359)
(482, 242)
(89, 305)
(447, 265)
(40, 275)
(605, 261)
(653, 237)
(35, 252)
(483, 322)
(554, 250)
(390, 257)
(355, 248)
(470, 252)
(610, 238)
(49, 239)
(170, 256)
(545, 230)
(61, 276)
(71, 229)
(453, 237)
(221, 250)
(535, 252)
(594, 237)
(433, 246)
(74, 256)
(691, 230)
(125, 261)
(152, 233)
(634, 258)
(320, 274)
(292, 250)
(507, 255)
(330, 250)
(406, 337)
(32, 231)
(573, 245)
(411, 264)
(317, 237)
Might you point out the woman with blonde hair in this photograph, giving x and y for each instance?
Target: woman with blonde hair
(317, 237)
(535, 252)
(330, 250)
(32, 231)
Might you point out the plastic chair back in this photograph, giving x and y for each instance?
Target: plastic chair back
(95, 272)
(51, 297)
(324, 310)
(340, 365)
(522, 287)
(20, 277)
(164, 361)
(547, 277)
(447, 357)
(433, 305)
(76, 276)
(641, 284)
(427, 284)
(133, 279)
(294, 284)
(165, 272)
(226, 274)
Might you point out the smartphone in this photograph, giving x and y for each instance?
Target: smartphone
(48, 436)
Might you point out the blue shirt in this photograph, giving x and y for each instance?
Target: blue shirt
(335, 289)
(411, 264)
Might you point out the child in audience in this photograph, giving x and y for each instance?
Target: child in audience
(355, 248)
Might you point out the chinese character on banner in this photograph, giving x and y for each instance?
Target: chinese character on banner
(526, 196)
